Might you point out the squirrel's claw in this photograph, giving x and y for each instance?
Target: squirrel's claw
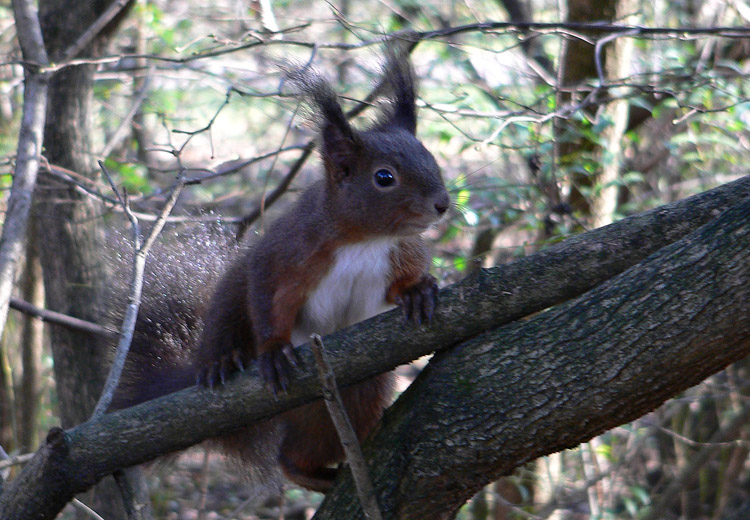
(216, 373)
(418, 301)
(275, 367)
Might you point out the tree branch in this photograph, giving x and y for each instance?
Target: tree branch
(60, 319)
(345, 431)
(534, 387)
(29, 149)
(690, 472)
(73, 460)
(136, 286)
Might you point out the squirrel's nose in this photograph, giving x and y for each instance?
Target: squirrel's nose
(442, 203)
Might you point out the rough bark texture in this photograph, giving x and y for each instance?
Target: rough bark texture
(536, 387)
(74, 460)
(70, 235)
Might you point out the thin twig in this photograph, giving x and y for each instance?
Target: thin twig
(134, 300)
(134, 493)
(690, 472)
(413, 36)
(16, 460)
(124, 125)
(600, 43)
(344, 428)
(60, 319)
(86, 509)
(248, 220)
(234, 166)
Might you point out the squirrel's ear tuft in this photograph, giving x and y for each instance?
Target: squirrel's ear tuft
(339, 148)
(401, 83)
(340, 142)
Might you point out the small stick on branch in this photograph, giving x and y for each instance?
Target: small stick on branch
(344, 428)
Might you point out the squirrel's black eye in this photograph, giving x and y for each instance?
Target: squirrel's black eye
(384, 178)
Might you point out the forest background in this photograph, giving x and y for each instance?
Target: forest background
(548, 119)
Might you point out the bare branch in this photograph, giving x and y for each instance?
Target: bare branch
(266, 201)
(690, 472)
(123, 127)
(413, 37)
(60, 319)
(16, 460)
(343, 425)
(134, 299)
(86, 509)
(29, 32)
(29, 149)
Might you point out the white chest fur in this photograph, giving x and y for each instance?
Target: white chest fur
(353, 290)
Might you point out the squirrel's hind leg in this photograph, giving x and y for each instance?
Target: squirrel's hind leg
(311, 444)
(316, 479)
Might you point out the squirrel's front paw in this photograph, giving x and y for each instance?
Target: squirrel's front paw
(275, 364)
(216, 373)
(418, 301)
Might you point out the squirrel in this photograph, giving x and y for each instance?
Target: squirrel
(349, 248)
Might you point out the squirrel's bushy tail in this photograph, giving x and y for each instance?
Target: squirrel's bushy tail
(181, 272)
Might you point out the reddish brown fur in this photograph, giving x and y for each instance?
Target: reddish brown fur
(257, 303)
(293, 287)
(305, 462)
(411, 262)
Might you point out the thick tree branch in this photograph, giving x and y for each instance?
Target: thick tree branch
(535, 387)
(73, 460)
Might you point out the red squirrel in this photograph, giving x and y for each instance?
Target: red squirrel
(349, 248)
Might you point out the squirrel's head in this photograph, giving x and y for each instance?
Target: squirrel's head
(381, 181)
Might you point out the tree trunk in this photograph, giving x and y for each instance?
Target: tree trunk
(7, 403)
(70, 232)
(32, 341)
(619, 55)
(578, 64)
